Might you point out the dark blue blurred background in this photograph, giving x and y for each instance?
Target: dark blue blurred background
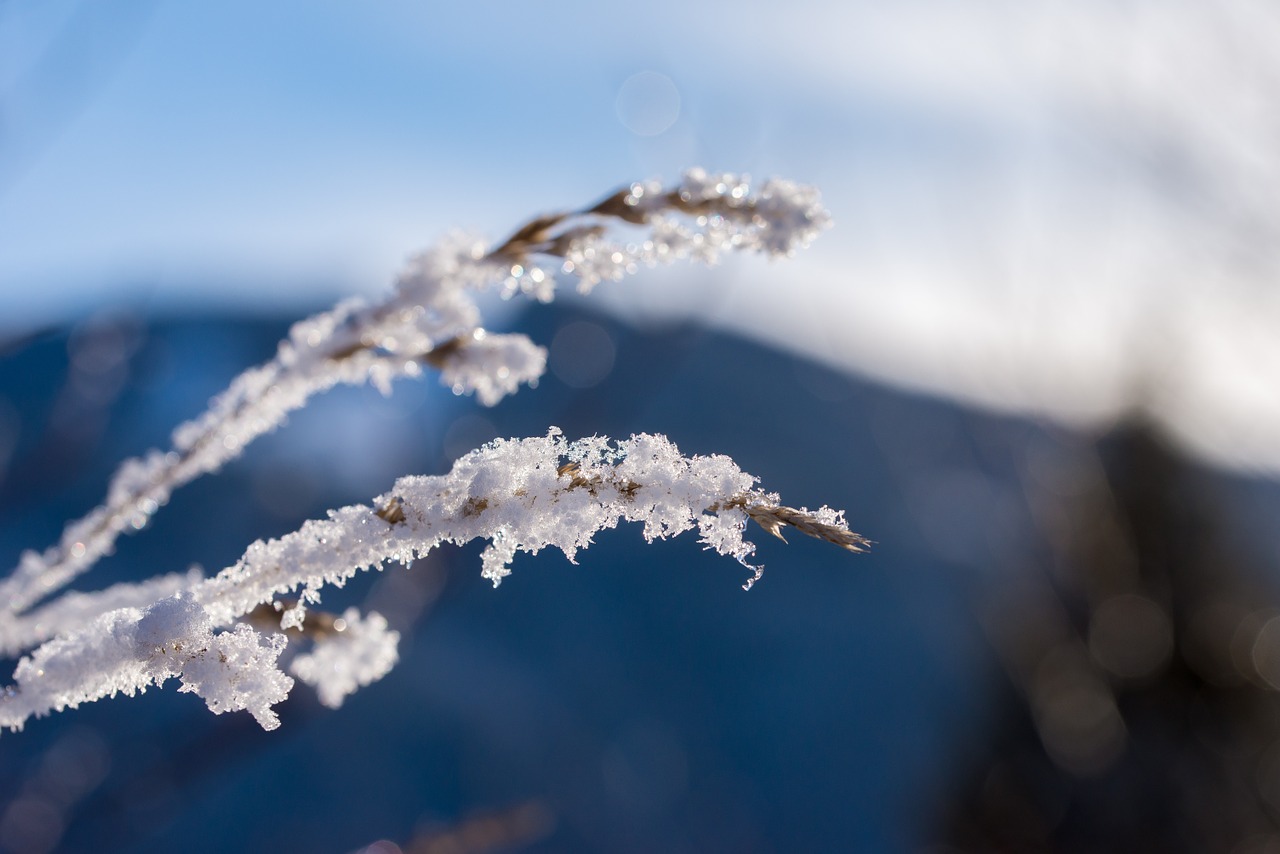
(643, 697)
(639, 701)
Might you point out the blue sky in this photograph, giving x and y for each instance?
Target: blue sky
(1060, 208)
(195, 142)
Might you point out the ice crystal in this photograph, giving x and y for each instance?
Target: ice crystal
(430, 319)
(359, 651)
(522, 495)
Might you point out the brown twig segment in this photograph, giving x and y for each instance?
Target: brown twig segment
(315, 624)
(773, 517)
(392, 512)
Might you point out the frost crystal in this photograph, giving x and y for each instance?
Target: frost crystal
(521, 495)
(360, 651)
(237, 670)
(21, 632)
(430, 319)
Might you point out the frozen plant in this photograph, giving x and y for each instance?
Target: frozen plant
(430, 320)
(521, 495)
(215, 634)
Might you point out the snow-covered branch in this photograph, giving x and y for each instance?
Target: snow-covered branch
(519, 495)
(20, 632)
(431, 320)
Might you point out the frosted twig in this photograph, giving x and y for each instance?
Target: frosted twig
(20, 632)
(520, 495)
(430, 319)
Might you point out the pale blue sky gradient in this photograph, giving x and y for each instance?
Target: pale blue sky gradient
(1061, 208)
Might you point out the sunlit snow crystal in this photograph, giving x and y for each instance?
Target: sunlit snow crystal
(340, 663)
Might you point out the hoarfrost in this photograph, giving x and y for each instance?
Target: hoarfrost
(360, 652)
(522, 495)
(430, 319)
(236, 671)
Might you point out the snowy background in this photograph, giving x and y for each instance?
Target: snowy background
(1062, 209)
